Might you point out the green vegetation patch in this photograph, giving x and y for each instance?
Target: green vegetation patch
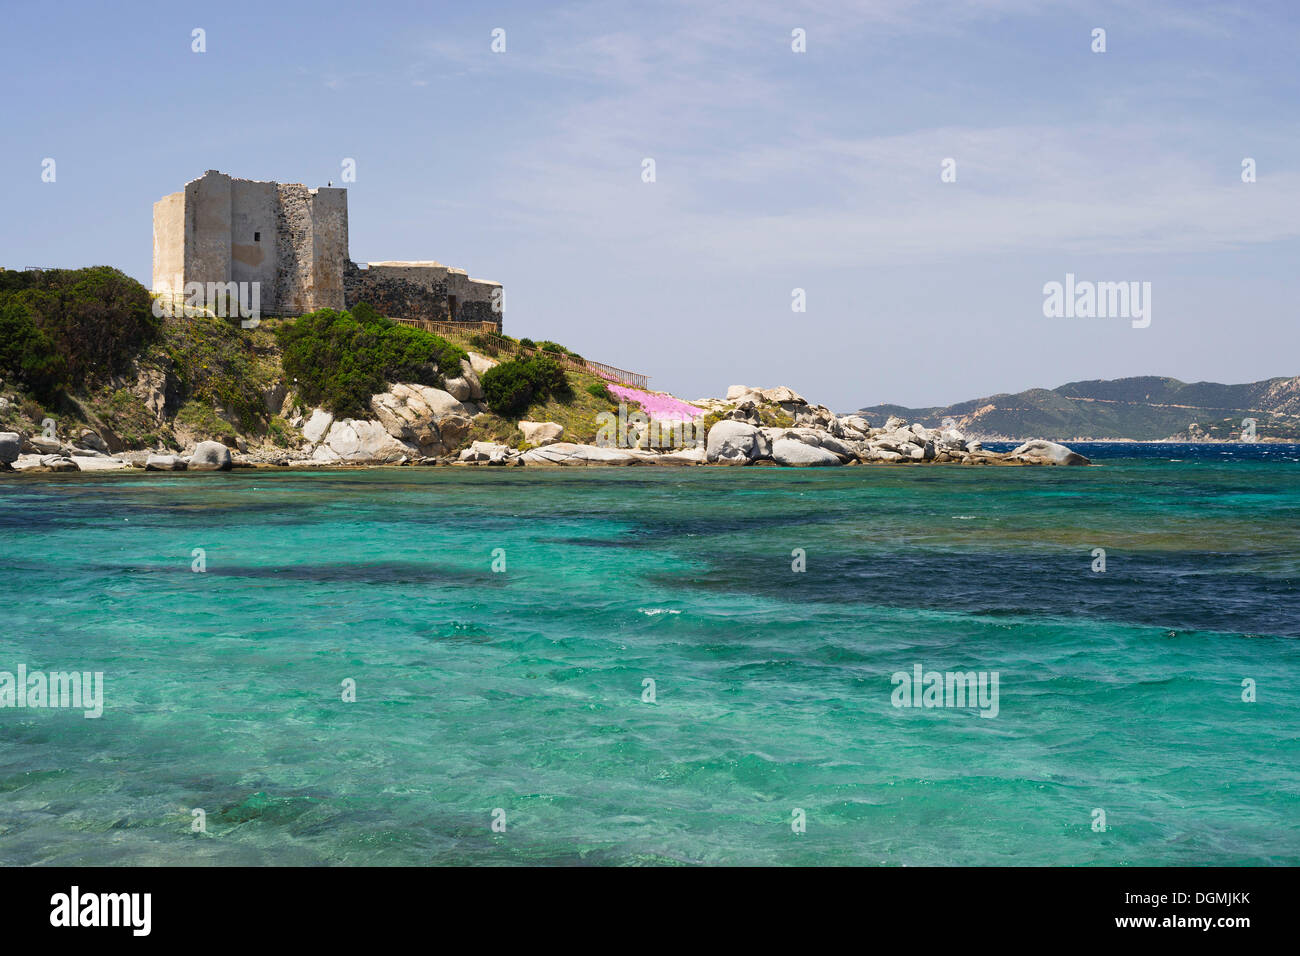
(340, 359)
(510, 387)
(63, 329)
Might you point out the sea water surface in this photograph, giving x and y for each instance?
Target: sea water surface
(522, 695)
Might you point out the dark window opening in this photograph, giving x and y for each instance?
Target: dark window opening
(451, 308)
(257, 237)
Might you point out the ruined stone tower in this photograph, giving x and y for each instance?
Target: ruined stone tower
(293, 242)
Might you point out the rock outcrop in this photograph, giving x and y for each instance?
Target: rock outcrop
(736, 443)
(795, 453)
(164, 463)
(210, 456)
(1055, 453)
(432, 421)
(358, 441)
(744, 435)
(11, 446)
(541, 433)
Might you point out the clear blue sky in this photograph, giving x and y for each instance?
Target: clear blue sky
(775, 170)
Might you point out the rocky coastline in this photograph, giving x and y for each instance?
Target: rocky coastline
(418, 425)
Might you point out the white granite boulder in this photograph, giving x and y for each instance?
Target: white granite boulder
(164, 463)
(569, 453)
(361, 442)
(541, 433)
(210, 456)
(316, 427)
(1056, 453)
(737, 443)
(58, 463)
(795, 453)
(431, 419)
(486, 451)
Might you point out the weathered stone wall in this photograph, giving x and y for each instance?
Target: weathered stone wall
(207, 228)
(422, 290)
(169, 243)
(329, 219)
(294, 248)
(294, 242)
(254, 237)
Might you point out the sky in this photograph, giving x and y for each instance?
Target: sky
(775, 170)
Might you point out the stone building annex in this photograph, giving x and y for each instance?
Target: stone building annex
(293, 241)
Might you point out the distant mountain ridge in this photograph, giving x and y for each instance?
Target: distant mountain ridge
(1143, 408)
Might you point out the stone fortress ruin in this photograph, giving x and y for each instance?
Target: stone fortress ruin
(293, 242)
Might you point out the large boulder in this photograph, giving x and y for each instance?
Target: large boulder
(431, 419)
(459, 388)
(210, 456)
(541, 433)
(360, 442)
(316, 427)
(950, 438)
(742, 393)
(568, 453)
(92, 441)
(792, 452)
(736, 443)
(58, 463)
(480, 363)
(11, 446)
(487, 451)
(783, 395)
(164, 463)
(1053, 452)
(99, 463)
(470, 375)
(41, 445)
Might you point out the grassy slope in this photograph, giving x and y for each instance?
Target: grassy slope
(220, 382)
(226, 383)
(577, 412)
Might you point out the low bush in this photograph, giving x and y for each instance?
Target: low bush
(509, 388)
(340, 359)
(64, 329)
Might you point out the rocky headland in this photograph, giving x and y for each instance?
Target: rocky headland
(412, 424)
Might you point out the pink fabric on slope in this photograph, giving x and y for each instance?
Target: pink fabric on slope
(660, 407)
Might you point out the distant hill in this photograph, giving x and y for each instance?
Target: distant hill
(1146, 408)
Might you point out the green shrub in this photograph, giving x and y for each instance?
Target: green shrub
(506, 388)
(27, 354)
(340, 359)
(510, 387)
(547, 376)
(528, 343)
(601, 390)
(89, 324)
(558, 349)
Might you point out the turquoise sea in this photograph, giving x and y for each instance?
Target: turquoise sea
(522, 690)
